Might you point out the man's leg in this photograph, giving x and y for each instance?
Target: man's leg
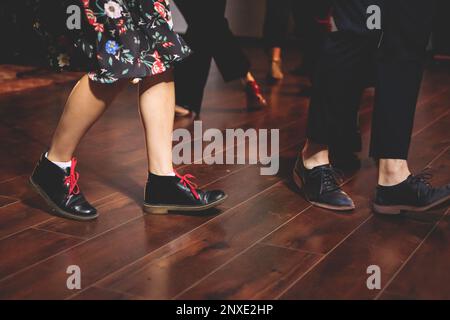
(336, 93)
(337, 89)
(441, 30)
(407, 27)
(399, 69)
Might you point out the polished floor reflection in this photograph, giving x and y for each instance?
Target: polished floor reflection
(265, 242)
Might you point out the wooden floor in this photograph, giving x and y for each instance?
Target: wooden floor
(265, 242)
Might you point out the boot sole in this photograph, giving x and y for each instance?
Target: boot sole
(58, 211)
(299, 183)
(165, 209)
(395, 210)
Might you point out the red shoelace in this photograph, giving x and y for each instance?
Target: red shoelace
(72, 179)
(185, 180)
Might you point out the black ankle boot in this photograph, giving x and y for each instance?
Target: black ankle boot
(178, 193)
(413, 194)
(60, 190)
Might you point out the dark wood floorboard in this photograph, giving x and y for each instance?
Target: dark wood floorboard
(207, 247)
(383, 241)
(4, 201)
(259, 273)
(97, 257)
(265, 242)
(321, 226)
(31, 246)
(425, 275)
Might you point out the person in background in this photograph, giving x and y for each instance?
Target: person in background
(398, 53)
(311, 25)
(441, 31)
(210, 37)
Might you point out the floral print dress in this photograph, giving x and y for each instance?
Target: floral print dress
(117, 39)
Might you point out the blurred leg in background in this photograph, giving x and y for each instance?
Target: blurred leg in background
(210, 37)
(441, 31)
(312, 24)
(276, 28)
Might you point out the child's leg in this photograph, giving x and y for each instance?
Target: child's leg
(85, 105)
(156, 104)
(166, 191)
(51, 177)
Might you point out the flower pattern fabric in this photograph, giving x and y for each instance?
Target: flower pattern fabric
(117, 38)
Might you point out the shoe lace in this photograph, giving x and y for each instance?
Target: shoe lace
(72, 179)
(186, 181)
(331, 178)
(423, 177)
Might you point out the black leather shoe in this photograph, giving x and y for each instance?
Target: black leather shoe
(321, 188)
(178, 193)
(60, 190)
(413, 194)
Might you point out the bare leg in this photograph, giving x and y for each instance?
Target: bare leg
(275, 54)
(392, 172)
(276, 71)
(249, 77)
(85, 105)
(314, 155)
(157, 105)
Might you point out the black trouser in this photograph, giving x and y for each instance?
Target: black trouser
(276, 22)
(397, 53)
(441, 29)
(306, 14)
(210, 37)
